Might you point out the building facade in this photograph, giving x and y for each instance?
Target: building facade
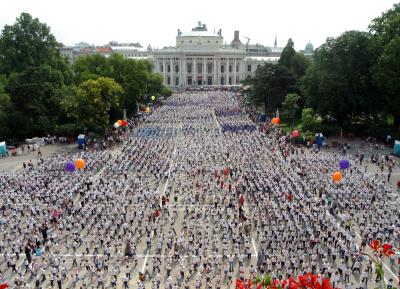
(199, 58)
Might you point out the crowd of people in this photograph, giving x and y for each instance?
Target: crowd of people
(194, 197)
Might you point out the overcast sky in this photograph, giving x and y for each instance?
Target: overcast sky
(156, 22)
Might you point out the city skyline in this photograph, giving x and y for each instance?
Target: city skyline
(98, 23)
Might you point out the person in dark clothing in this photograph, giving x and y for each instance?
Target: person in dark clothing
(28, 251)
(44, 229)
(59, 282)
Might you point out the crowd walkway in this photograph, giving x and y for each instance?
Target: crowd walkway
(195, 197)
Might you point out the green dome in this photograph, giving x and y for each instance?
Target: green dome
(309, 47)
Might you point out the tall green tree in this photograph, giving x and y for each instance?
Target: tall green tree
(287, 55)
(34, 98)
(93, 102)
(295, 62)
(386, 32)
(28, 43)
(270, 85)
(91, 67)
(30, 59)
(386, 27)
(135, 76)
(387, 75)
(290, 105)
(339, 84)
(5, 109)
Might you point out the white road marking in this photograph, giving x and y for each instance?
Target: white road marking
(163, 192)
(254, 247)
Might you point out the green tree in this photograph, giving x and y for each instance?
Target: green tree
(91, 67)
(339, 84)
(386, 33)
(93, 102)
(28, 43)
(33, 95)
(135, 76)
(387, 26)
(166, 91)
(287, 55)
(387, 75)
(30, 59)
(5, 109)
(135, 84)
(300, 65)
(155, 84)
(308, 120)
(290, 105)
(295, 62)
(270, 85)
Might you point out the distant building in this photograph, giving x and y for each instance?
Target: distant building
(309, 50)
(199, 57)
(68, 52)
(127, 50)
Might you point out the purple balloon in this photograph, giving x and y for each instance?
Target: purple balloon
(70, 167)
(344, 164)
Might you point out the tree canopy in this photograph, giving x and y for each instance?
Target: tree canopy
(339, 83)
(41, 93)
(93, 101)
(295, 62)
(270, 85)
(28, 43)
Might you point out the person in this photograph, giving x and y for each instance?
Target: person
(193, 137)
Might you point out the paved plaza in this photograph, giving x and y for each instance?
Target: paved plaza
(195, 197)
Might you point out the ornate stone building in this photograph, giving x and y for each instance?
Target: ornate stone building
(200, 58)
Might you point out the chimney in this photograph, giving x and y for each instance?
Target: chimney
(236, 36)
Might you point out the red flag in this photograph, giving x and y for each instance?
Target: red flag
(4, 286)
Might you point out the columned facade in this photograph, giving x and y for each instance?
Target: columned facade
(201, 59)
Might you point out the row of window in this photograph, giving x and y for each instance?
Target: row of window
(199, 59)
(200, 81)
(199, 67)
(198, 42)
(132, 55)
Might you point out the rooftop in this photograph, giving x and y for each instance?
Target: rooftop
(199, 33)
(199, 30)
(263, 58)
(128, 48)
(103, 49)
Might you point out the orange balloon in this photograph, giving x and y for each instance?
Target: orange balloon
(336, 176)
(80, 164)
(120, 122)
(276, 120)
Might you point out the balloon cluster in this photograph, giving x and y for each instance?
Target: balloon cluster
(78, 164)
(119, 123)
(337, 176)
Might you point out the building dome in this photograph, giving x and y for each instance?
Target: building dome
(309, 47)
